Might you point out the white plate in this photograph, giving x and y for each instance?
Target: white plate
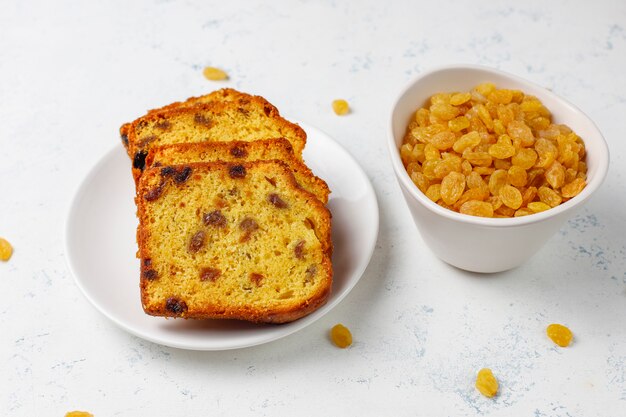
(100, 248)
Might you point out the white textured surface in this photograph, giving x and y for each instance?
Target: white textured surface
(71, 72)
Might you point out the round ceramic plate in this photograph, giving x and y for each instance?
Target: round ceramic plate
(100, 248)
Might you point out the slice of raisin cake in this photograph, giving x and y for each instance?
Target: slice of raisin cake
(231, 240)
(211, 122)
(238, 151)
(225, 94)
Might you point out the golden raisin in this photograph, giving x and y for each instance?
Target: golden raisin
(524, 158)
(505, 114)
(479, 194)
(443, 140)
(486, 383)
(501, 96)
(549, 196)
(536, 177)
(428, 168)
(523, 212)
(6, 250)
(341, 336)
(452, 186)
(477, 208)
(485, 88)
(447, 165)
(495, 202)
(444, 111)
(498, 127)
(480, 159)
(573, 188)
(570, 175)
(560, 334)
(466, 168)
(538, 206)
(555, 175)
(458, 124)
(434, 192)
(497, 180)
(341, 107)
(468, 140)
(78, 414)
(406, 153)
(504, 211)
(517, 176)
(546, 151)
(510, 196)
(214, 74)
(528, 195)
(484, 116)
(474, 180)
(413, 167)
(519, 130)
(501, 151)
(422, 117)
(531, 105)
(440, 98)
(430, 152)
(460, 98)
(484, 170)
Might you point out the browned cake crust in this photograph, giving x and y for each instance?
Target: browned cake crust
(224, 94)
(210, 122)
(239, 151)
(230, 240)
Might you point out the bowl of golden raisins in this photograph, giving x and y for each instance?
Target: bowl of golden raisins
(491, 165)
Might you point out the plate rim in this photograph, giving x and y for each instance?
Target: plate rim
(296, 326)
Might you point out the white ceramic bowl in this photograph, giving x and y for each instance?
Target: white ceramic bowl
(489, 244)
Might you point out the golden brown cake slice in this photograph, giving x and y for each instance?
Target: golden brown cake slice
(211, 122)
(224, 94)
(226, 240)
(238, 151)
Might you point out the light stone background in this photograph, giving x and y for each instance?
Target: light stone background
(71, 72)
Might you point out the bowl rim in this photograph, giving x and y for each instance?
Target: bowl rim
(411, 188)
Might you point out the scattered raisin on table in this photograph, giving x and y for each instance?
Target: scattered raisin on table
(214, 74)
(486, 383)
(6, 250)
(341, 107)
(341, 336)
(559, 334)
